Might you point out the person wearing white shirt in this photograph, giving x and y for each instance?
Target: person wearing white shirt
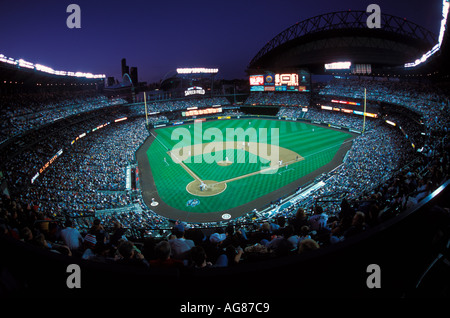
(71, 236)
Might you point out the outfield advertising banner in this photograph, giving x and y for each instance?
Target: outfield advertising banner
(257, 88)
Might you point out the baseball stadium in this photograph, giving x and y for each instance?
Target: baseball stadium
(327, 163)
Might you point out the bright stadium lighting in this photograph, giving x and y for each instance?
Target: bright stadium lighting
(437, 47)
(46, 69)
(197, 70)
(338, 66)
(445, 9)
(23, 63)
(391, 123)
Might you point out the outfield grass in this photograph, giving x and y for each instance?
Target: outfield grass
(317, 147)
(245, 163)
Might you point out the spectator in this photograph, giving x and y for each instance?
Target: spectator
(304, 233)
(196, 235)
(71, 237)
(26, 234)
(198, 258)
(263, 234)
(214, 248)
(299, 220)
(178, 244)
(235, 238)
(358, 225)
(97, 229)
(233, 254)
(40, 242)
(130, 255)
(307, 245)
(100, 253)
(280, 245)
(163, 259)
(291, 236)
(90, 241)
(42, 223)
(118, 234)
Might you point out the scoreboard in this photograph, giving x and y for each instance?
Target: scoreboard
(280, 82)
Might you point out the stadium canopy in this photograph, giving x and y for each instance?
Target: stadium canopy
(344, 36)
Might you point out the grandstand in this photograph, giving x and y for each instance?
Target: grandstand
(69, 164)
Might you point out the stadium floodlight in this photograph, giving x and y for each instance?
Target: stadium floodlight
(391, 123)
(197, 70)
(23, 63)
(338, 66)
(437, 47)
(8, 60)
(445, 9)
(46, 69)
(120, 119)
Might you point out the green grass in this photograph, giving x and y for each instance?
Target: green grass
(318, 147)
(245, 163)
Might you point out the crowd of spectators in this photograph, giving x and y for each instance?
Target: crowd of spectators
(278, 99)
(163, 106)
(303, 229)
(291, 112)
(330, 117)
(232, 112)
(381, 176)
(20, 164)
(91, 175)
(429, 101)
(173, 105)
(182, 246)
(22, 112)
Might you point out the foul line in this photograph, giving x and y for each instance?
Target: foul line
(185, 167)
(275, 166)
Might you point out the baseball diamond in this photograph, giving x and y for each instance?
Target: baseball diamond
(241, 177)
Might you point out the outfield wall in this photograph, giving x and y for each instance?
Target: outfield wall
(228, 117)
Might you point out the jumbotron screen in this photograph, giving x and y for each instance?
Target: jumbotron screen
(286, 79)
(280, 82)
(256, 80)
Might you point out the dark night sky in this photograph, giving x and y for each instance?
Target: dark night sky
(159, 36)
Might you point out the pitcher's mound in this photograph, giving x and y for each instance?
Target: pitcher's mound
(211, 188)
(224, 163)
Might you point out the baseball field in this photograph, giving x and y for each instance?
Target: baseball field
(205, 170)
